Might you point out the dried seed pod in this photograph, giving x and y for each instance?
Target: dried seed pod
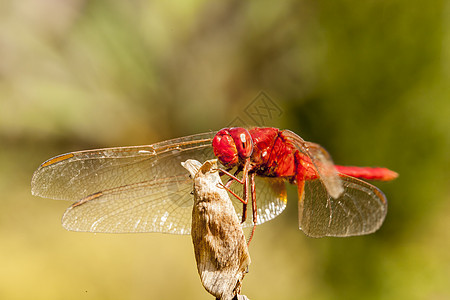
(219, 243)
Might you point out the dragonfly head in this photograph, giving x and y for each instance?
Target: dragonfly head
(232, 145)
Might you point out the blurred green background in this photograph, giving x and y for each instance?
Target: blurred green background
(368, 80)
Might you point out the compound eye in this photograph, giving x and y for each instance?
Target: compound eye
(246, 143)
(225, 149)
(243, 141)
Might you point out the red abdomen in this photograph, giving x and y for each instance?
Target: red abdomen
(382, 174)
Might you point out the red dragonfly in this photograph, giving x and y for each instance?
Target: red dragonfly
(145, 188)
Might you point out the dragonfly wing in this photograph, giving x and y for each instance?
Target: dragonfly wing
(321, 160)
(271, 199)
(359, 210)
(157, 206)
(113, 184)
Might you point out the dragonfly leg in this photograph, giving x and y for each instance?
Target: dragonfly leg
(244, 213)
(244, 182)
(244, 201)
(229, 182)
(245, 178)
(241, 181)
(254, 210)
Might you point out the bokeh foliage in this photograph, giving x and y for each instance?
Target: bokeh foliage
(369, 80)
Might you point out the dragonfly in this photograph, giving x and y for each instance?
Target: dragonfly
(145, 188)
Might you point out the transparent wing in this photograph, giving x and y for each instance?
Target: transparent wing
(138, 189)
(271, 199)
(360, 209)
(322, 162)
(125, 189)
(161, 205)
